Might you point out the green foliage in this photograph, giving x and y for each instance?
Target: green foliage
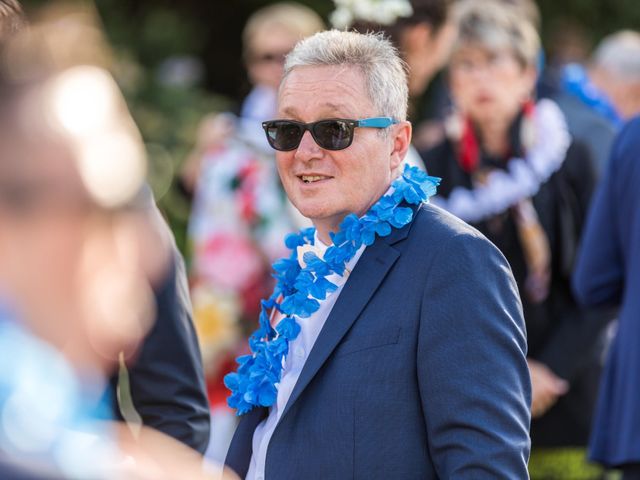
(597, 17)
(168, 116)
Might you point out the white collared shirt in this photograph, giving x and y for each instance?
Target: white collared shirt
(299, 351)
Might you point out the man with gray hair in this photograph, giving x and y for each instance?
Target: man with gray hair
(615, 70)
(393, 345)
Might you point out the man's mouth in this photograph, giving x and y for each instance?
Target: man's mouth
(313, 178)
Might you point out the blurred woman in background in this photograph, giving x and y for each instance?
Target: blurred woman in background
(510, 168)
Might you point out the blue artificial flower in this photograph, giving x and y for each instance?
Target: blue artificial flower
(401, 217)
(274, 353)
(264, 322)
(430, 187)
(299, 304)
(368, 232)
(308, 234)
(352, 229)
(266, 393)
(316, 265)
(409, 193)
(303, 282)
(294, 240)
(288, 328)
(383, 229)
(411, 173)
(321, 287)
(286, 271)
(382, 210)
(414, 186)
(337, 257)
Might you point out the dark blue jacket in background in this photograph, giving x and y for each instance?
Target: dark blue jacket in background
(418, 373)
(608, 273)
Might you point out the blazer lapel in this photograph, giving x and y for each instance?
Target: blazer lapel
(241, 448)
(363, 281)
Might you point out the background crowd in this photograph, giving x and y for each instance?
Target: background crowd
(515, 104)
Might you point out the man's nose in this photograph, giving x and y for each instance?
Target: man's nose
(308, 148)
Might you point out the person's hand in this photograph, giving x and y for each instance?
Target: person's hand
(546, 387)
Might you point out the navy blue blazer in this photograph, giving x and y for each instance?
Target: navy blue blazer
(608, 273)
(418, 373)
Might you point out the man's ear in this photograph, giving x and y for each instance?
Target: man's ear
(400, 141)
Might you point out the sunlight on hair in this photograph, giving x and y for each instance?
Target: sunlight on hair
(112, 167)
(85, 102)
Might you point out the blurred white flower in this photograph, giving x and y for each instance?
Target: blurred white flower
(383, 12)
(341, 18)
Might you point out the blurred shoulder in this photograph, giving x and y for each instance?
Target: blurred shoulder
(628, 140)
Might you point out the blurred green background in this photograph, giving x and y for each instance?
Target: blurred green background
(177, 60)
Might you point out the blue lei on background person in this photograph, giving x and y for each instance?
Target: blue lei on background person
(299, 291)
(576, 81)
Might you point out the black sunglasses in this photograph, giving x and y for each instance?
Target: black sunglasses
(330, 134)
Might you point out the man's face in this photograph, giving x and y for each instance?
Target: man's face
(326, 185)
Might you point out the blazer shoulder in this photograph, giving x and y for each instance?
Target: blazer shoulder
(438, 225)
(436, 235)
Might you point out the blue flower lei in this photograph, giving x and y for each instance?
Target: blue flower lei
(298, 290)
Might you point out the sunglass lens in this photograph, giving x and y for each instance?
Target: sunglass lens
(333, 134)
(284, 135)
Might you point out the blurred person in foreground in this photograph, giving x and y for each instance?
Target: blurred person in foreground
(510, 168)
(166, 385)
(608, 273)
(393, 345)
(240, 213)
(76, 271)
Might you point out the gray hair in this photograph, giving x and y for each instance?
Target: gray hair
(384, 72)
(496, 25)
(619, 54)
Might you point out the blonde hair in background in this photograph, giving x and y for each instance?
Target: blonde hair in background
(496, 25)
(292, 18)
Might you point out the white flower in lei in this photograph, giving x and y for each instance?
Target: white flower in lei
(522, 177)
(383, 12)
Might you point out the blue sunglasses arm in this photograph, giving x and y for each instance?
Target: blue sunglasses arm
(377, 122)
